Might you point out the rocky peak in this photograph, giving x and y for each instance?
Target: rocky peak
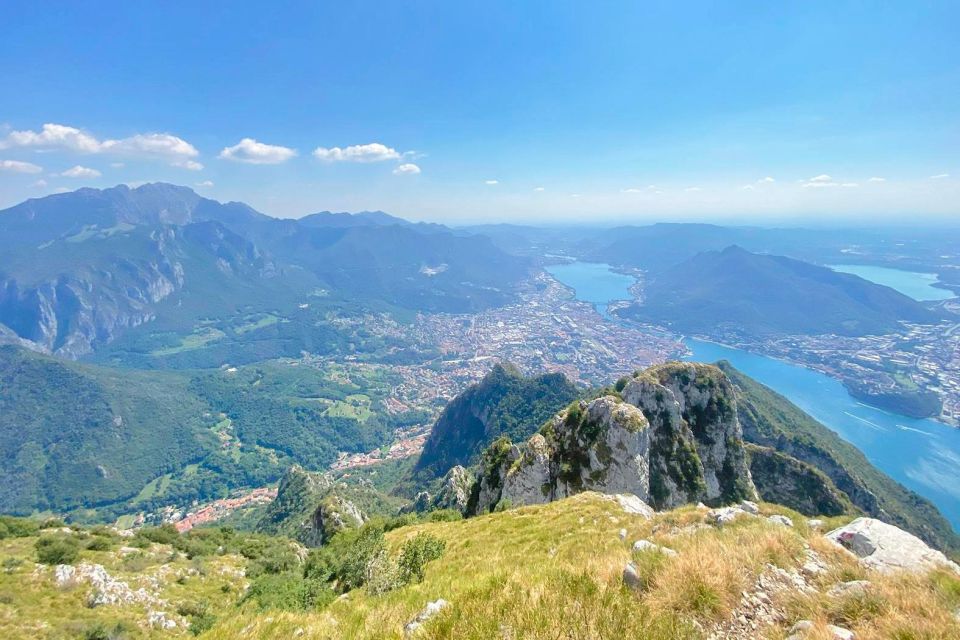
(674, 438)
(697, 444)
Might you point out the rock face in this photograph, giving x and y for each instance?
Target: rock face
(886, 548)
(599, 446)
(673, 439)
(697, 450)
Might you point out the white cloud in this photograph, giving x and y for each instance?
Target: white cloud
(58, 137)
(693, 189)
(876, 179)
(631, 190)
(205, 184)
(81, 172)
(491, 182)
(15, 166)
(539, 189)
(191, 165)
(39, 184)
(373, 152)
(820, 181)
(574, 195)
(940, 176)
(406, 169)
(768, 180)
(118, 165)
(748, 187)
(849, 185)
(156, 145)
(250, 151)
(53, 136)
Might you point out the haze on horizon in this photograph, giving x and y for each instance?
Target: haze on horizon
(825, 113)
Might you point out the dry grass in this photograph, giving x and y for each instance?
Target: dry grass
(554, 572)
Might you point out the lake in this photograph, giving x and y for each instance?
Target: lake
(594, 282)
(924, 455)
(918, 286)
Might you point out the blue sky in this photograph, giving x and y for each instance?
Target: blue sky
(488, 111)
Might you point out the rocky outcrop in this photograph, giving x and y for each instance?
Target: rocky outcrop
(454, 494)
(886, 548)
(309, 508)
(674, 438)
(785, 480)
(697, 448)
(599, 446)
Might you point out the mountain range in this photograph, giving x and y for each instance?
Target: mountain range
(79, 269)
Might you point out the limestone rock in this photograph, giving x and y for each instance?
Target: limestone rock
(631, 577)
(646, 545)
(432, 609)
(780, 519)
(854, 588)
(887, 548)
(697, 450)
(455, 491)
(597, 446)
(633, 505)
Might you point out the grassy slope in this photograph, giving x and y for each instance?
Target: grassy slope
(554, 571)
(771, 420)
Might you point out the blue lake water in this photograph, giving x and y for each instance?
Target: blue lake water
(924, 455)
(593, 282)
(918, 286)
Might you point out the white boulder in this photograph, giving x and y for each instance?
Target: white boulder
(887, 548)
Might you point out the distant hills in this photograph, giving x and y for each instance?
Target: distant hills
(75, 436)
(79, 269)
(751, 294)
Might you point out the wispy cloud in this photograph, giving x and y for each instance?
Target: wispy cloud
(81, 172)
(940, 176)
(693, 189)
(372, 152)
(539, 189)
(16, 166)
(249, 151)
(407, 168)
(191, 165)
(877, 179)
(206, 184)
(491, 182)
(631, 190)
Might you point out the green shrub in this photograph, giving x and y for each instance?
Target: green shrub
(11, 527)
(11, 564)
(199, 615)
(416, 553)
(98, 543)
(103, 631)
(290, 592)
(57, 549)
(165, 534)
(351, 571)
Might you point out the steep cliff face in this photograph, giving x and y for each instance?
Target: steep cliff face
(673, 438)
(698, 442)
(97, 286)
